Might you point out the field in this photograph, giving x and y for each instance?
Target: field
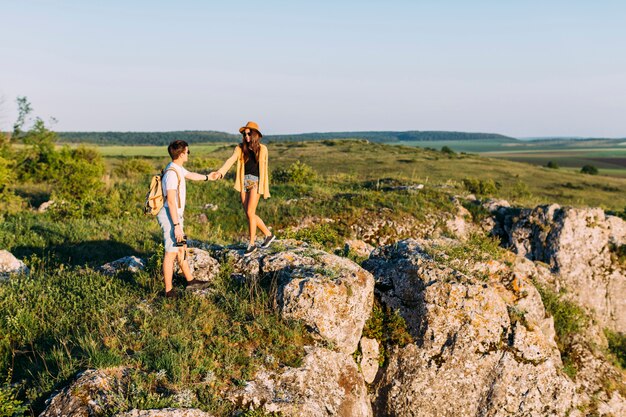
(67, 316)
(607, 155)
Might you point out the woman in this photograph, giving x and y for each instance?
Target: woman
(252, 180)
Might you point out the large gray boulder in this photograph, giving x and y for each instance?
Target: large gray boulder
(472, 355)
(10, 265)
(327, 384)
(332, 295)
(579, 247)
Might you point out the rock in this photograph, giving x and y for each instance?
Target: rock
(330, 294)
(93, 393)
(576, 244)
(202, 265)
(369, 360)
(327, 384)
(493, 205)
(10, 265)
(460, 225)
(166, 412)
(203, 219)
(43, 207)
(358, 247)
(127, 263)
(210, 206)
(597, 381)
(471, 355)
(377, 228)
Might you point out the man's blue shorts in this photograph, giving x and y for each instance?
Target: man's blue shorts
(166, 223)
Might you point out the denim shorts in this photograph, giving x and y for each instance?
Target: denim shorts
(250, 182)
(165, 221)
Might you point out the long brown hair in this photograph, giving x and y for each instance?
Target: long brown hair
(254, 145)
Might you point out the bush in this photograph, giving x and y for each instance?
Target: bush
(447, 150)
(134, 167)
(569, 318)
(9, 404)
(552, 164)
(589, 169)
(482, 187)
(296, 173)
(520, 190)
(80, 174)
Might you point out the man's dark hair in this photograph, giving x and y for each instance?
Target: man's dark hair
(176, 148)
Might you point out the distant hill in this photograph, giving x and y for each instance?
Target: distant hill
(390, 136)
(164, 138)
(145, 138)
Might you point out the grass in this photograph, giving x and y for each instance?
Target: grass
(62, 320)
(68, 317)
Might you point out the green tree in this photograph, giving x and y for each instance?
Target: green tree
(552, 164)
(589, 169)
(447, 150)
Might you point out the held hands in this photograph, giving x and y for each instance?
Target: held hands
(215, 176)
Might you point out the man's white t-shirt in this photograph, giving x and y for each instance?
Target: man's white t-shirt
(170, 182)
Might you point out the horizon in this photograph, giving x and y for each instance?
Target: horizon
(529, 70)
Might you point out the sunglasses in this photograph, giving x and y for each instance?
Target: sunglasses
(247, 134)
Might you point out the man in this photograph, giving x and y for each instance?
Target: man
(170, 217)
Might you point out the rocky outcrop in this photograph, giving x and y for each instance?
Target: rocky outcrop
(93, 393)
(10, 265)
(327, 384)
(579, 247)
(472, 355)
(332, 295)
(127, 263)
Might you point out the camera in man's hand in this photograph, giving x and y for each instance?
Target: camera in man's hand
(182, 242)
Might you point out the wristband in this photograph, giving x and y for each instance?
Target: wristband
(176, 224)
(206, 177)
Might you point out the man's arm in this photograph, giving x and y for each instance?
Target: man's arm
(193, 176)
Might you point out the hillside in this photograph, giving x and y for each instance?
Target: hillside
(401, 284)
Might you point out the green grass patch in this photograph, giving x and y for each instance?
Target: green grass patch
(388, 327)
(617, 346)
(59, 322)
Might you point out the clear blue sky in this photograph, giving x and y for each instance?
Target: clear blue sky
(522, 68)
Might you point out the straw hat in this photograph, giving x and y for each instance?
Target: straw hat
(251, 126)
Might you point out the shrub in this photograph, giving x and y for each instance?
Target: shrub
(589, 169)
(552, 164)
(9, 404)
(447, 150)
(80, 174)
(569, 318)
(482, 187)
(478, 212)
(388, 327)
(520, 190)
(134, 167)
(296, 173)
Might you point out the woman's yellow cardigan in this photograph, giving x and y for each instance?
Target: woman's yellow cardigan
(264, 183)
